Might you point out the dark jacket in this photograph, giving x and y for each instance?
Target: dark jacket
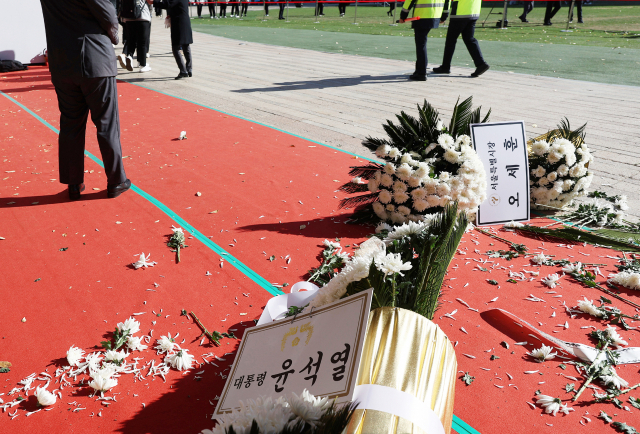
(79, 37)
(178, 10)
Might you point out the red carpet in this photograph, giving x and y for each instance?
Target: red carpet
(265, 186)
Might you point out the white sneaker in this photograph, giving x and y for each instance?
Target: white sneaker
(129, 63)
(121, 60)
(138, 65)
(146, 68)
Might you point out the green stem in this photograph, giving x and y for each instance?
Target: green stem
(591, 377)
(624, 391)
(178, 250)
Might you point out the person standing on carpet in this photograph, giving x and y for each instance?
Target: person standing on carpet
(428, 13)
(80, 39)
(136, 15)
(245, 8)
(552, 8)
(464, 14)
(181, 35)
(527, 7)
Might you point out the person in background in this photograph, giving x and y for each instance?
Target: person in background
(527, 7)
(320, 9)
(181, 34)
(428, 13)
(464, 14)
(136, 16)
(552, 8)
(223, 9)
(235, 8)
(578, 6)
(282, 5)
(212, 9)
(266, 8)
(342, 8)
(392, 7)
(199, 4)
(244, 9)
(80, 39)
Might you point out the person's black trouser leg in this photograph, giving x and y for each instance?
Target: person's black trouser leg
(212, 9)
(199, 7)
(143, 33)
(527, 7)
(76, 98)
(421, 50)
(343, 8)
(578, 6)
(453, 31)
(471, 42)
(266, 8)
(186, 50)
(131, 42)
(552, 8)
(245, 7)
(282, 6)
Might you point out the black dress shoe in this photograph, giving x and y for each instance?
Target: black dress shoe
(417, 77)
(441, 70)
(190, 74)
(115, 190)
(549, 23)
(480, 70)
(75, 190)
(181, 76)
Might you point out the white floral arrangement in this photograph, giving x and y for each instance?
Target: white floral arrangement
(427, 166)
(293, 412)
(559, 169)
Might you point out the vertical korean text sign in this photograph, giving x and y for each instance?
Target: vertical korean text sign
(318, 351)
(502, 148)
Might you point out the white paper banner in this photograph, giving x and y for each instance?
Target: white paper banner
(278, 306)
(403, 404)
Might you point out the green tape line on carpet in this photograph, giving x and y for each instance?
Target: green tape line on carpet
(461, 427)
(174, 216)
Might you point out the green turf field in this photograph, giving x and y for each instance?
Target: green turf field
(604, 26)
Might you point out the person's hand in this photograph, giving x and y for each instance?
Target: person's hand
(401, 21)
(167, 22)
(442, 21)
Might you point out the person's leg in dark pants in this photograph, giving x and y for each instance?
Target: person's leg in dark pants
(132, 38)
(527, 7)
(199, 8)
(266, 8)
(186, 50)
(101, 95)
(421, 52)
(176, 54)
(453, 31)
(245, 7)
(578, 6)
(342, 7)
(142, 44)
(552, 8)
(472, 44)
(281, 16)
(212, 10)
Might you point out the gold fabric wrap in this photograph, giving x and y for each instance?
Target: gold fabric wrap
(408, 352)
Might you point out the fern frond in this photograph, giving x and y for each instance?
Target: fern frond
(460, 117)
(351, 187)
(575, 235)
(365, 172)
(351, 202)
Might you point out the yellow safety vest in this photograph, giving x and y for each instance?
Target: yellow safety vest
(466, 9)
(424, 8)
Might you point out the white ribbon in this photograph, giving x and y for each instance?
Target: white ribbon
(399, 403)
(584, 352)
(278, 306)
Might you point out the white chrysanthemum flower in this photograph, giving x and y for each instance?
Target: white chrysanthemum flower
(399, 186)
(552, 405)
(540, 147)
(272, 416)
(390, 207)
(166, 344)
(93, 360)
(577, 171)
(144, 262)
(551, 280)
(181, 360)
(433, 200)
(444, 176)
(445, 141)
(418, 193)
(102, 383)
(378, 208)
(397, 218)
(115, 356)
(183, 135)
(443, 189)
(400, 197)
(616, 339)
(587, 306)
(420, 205)
(356, 180)
(572, 268)
(439, 125)
(405, 211)
(414, 181)
(307, 408)
(430, 148)
(134, 343)
(404, 172)
(383, 227)
(463, 140)
(74, 355)
(540, 259)
(539, 172)
(614, 379)
(389, 169)
(383, 151)
(513, 225)
(405, 230)
(423, 170)
(386, 180)
(130, 324)
(45, 397)
(406, 158)
(373, 185)
(627, 279)
(333, 244)
(552, 176)
(452, 156)
(543, 353)
(567, 184)
(554, 156)
(394, 153)
(543, 181)
(384, 196)
(392, 263)
(177, 230)
(563, 170)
